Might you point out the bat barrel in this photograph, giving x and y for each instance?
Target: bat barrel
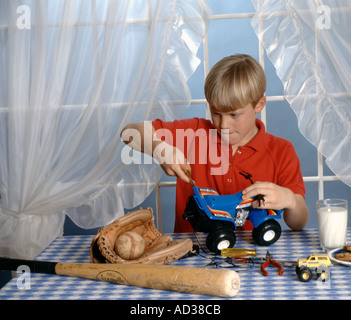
(216, 282)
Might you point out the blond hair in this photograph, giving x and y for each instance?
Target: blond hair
(235, 82)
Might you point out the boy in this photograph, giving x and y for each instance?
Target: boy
(234, 89)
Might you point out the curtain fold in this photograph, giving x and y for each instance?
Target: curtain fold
(73, 74)
(309, 43)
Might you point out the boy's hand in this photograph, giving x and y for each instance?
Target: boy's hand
(295, 209)
(141, 136)
(275, 197)
(172, 161)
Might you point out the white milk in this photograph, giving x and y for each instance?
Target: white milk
(332, 224)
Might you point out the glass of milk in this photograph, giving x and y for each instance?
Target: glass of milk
(332, 223)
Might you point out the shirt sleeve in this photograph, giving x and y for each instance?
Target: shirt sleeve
(167, 130)
(193, 123)
(289, 175)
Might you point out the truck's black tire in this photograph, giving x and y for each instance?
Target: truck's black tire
(304, 273)
(220, 238)
(267, 232)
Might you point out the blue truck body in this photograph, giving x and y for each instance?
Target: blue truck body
(209, 212)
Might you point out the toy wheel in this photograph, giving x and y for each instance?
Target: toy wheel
(304, 274)
(323, 273)
(219, 239)
(267, 233)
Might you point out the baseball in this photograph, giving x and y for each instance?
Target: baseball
(130, 245)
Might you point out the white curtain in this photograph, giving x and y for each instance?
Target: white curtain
(309, 43)
(73, 73)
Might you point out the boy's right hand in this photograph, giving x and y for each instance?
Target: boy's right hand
(172, 160)
(141, 137)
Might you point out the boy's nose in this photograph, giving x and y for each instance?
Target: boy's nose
(224, 123)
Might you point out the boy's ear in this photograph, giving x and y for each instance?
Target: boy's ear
(260, 104)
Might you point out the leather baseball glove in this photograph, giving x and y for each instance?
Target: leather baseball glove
(159, 248)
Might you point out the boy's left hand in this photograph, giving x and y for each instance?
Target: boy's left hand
(275, 197)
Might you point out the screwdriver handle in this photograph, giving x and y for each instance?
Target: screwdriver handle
(237, 252)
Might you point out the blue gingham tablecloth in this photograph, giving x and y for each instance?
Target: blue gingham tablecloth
(254, 285)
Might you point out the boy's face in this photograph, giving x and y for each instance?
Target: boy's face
(240, 123)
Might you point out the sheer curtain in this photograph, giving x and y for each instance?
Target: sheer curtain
(309, 43)
(73, 74)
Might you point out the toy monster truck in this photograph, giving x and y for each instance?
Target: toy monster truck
(318, 262)
(219, 215)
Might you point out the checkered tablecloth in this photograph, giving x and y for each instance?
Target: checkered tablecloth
(292, 245)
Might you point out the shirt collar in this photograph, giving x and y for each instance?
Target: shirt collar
(258, 140)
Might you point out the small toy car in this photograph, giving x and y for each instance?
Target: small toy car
(318, 262)
(219, 215)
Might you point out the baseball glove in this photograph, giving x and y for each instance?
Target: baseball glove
(159, 248)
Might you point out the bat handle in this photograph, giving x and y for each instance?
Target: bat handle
(34, 266)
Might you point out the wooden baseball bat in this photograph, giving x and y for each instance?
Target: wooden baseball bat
(195, 280)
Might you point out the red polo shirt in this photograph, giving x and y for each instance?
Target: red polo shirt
(265, 157)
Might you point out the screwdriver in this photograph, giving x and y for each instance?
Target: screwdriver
(188, 173)
(238, 252)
